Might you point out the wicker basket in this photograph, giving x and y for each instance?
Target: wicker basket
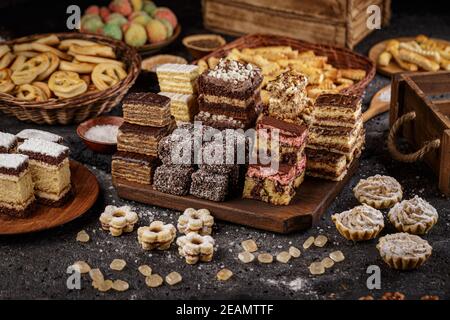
(338, 57)
(77, 109)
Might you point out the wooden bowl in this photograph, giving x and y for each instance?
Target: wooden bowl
(150, 64)
(198, 44)
(149, 49)
(99, 147)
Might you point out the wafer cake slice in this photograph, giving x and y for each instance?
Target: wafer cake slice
(16, 186)
(178, 78)
(147, 109)
(183, 107)
(49, 163)
(8, 142)
(134, 167)
(326, 165)
(337, 110)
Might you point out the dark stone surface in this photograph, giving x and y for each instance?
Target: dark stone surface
(34, 266)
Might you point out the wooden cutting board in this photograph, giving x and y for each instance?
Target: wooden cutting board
(86, 190)
(312, 200)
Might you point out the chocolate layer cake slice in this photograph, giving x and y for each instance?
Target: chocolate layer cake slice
(8, 142)
(140, 139)
(182, 106)
(326, 165)
(337, 110)
(147, 109)
(134, 167)
(39, 134)
(49, 163)
(178, 78)
(16, 186)
(289, 144)
(277, 187)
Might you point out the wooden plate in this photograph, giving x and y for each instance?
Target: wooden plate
(150, 49)
(312, 200)
(392, 68)
(86, 188)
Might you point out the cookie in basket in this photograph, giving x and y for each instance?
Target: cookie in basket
(379, 192)
(360, 223)
(415, 216)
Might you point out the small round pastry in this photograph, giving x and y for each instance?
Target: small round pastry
(359, 224)
(379, 192)
(404, 251)
(118, 220)
(415, 216)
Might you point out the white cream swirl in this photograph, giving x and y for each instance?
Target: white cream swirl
(361, 218)
(404, 245)
(414, 212)
(379, 188)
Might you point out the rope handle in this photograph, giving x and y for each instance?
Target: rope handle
(412, 157)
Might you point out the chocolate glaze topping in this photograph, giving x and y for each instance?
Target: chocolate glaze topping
(151, 99)
(338, 100)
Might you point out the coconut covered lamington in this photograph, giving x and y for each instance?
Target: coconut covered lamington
(16, 185)
(50, 168)
(38, 134)
(8, 142)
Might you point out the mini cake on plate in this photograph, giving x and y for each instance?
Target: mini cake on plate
(49, 163)
(8, 142)
(16, 185)
(38, 134)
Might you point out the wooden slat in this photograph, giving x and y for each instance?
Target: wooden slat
(444, 171)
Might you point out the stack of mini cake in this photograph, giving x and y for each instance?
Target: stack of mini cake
(230, 95)
(337, 136)
(179, 83)
(276, 179)
(147, 120)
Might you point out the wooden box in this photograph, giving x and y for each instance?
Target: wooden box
(333, 22)
(426, 94)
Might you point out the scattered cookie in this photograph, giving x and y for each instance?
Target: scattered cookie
(379, 192)
(154, 281)
(337, 256)
(118, 220)
(83, 237)
(308, 243)
(404, 251)
(294, 252)
(199, 221)
(118, 264)
(145, 270)
(316, 268)
(82, 267)
(194, 248)
(249, 245)
(284, 257)
(360, 223)
(393, 296)
(120, 286)
(173, 278)
(96, 276)
(224, 275)
(320, 241)
(157, 236)
(415, 216)
(265, 258)
(327, 263)
(105, 286)
(428, 297)
(246, 257)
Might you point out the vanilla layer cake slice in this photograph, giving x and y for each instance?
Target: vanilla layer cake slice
(337, 110)
(16, 186)
(178, 78)
(147, 109)
(8, 142)
(49, 163)
(183, 107)
(326, 165)
(38, 134)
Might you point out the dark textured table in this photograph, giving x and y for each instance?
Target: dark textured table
(34, 266)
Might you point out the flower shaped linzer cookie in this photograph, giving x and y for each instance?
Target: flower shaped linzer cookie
(415, 216)
(157, 236)
(198, 221)
(194, 248)
(118, 220)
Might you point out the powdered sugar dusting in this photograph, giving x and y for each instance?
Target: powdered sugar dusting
(38, 134)
(7, 140)
(12, 161)
(104, 134)
(43, 147)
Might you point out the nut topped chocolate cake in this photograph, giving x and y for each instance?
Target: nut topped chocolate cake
(8, 142)
(231, 89)
(147, 109)
(16, 185)
(49, 164)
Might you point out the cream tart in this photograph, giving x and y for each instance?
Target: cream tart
(404, 251)
(360, 223)
(415, 216)
(379, 192)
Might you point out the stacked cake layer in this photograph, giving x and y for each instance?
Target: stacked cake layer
(147, 120)
(179, 83)
(337, 136)
(16, 185)
(281, 161)
(230, 90)
(8, 142)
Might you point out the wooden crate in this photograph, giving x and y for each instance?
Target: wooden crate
(333, 22)
(426, 94)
